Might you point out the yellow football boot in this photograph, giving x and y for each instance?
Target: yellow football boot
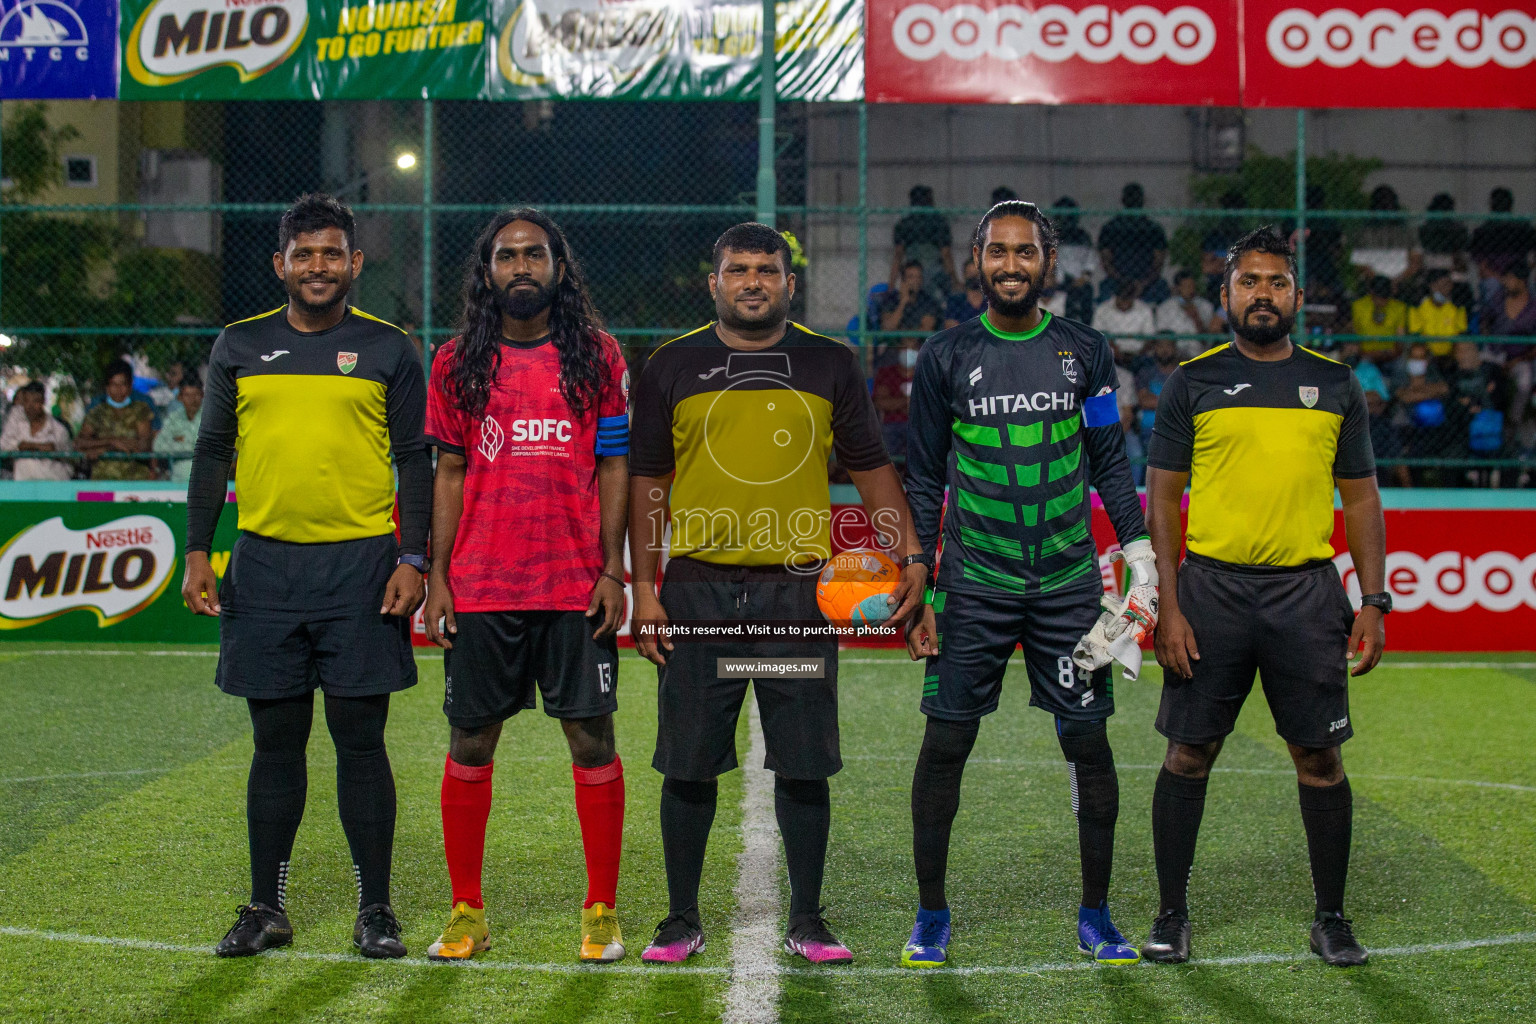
(465, 935)
(601, 940)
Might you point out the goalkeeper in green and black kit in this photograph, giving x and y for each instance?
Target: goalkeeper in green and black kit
(1014, 415)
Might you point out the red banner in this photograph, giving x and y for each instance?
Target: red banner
(1031, 52)
(1389, 53)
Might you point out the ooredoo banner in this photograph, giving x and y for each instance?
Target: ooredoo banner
(1399, 53)
(1072, 52)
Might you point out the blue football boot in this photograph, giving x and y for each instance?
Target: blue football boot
(1098, 937)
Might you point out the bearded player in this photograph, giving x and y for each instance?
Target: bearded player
(1014, 414)
(527, 411)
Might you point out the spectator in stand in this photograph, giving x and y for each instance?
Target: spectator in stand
(1476, 402)
(121, 423)
(163, 394)
(1497, 244)
(1377, 313)
(1325, 251)
(1384, 245)
(1127, 402)
(1511, 312)
(1421, 392)
(1075, 262)
(178, 432)
(1437, 316)
(1003, 194)
(1444, 241)
(1150, 379)
(1186, 312)
(1133, 248)
(924, 235)
(30, 428)
(893, 394)
(910, 306)
(1214, 243)
(968, 304)
(1378, 403)
(1123, 316)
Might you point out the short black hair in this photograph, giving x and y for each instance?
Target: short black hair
(1002, 194)
(315, 211)
(751, 237)
(191, 379)
(1501, 200)
(117, 367)
(32, 387)
(1133, 196)
(920, 195)
(1018, 208)
(1441, 202)
(1181, 275)
(910, 264)
(1380, 287)
(1268, 240)
(1519, 269)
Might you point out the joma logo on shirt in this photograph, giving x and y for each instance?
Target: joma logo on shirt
(1040, 401)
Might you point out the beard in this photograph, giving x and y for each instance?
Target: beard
(1010, 307)
(773, 313)
(295, 291)
(1257, 334)
(524, 304)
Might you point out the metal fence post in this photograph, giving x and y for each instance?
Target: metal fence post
(864, 354)
(1301, 213)
(767, 181)
(426, 237)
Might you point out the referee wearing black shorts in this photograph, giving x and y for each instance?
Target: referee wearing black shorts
(316, 396)
(1261, 431)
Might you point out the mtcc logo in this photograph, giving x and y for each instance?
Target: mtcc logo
(1140, 34)
(1384, 39)
(43, 30)
(1451, 581)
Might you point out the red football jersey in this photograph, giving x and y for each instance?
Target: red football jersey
(529, 538)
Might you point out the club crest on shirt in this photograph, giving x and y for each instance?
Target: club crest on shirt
(346, 362)
(1308, 396)
(491, 439)
(1068, 366)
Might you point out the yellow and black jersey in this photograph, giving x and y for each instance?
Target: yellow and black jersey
(314, 419)
(1262, 443)
(747, 435)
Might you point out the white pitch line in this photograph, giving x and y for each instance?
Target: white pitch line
(1052, 967)
(753, 994)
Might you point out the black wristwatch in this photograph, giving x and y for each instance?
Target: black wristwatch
(421, 563)
(918, 559)
(1382, 600)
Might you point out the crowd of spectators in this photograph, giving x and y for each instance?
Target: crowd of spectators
(1433, 395)
(118, 437)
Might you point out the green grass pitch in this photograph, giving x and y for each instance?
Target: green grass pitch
(122, 784)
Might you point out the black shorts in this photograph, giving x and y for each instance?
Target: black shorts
(499, 659)
(1290, 625)
(297, 616)
(697, 711)
(977, 636)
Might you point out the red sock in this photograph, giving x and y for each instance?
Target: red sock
(600, 809)
(466, 806)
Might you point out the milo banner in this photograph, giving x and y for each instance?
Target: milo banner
(303, 49)
(674, 49)
(103, 571)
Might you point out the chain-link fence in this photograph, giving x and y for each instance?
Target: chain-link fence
(135, 230)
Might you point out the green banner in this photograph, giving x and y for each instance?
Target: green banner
(102, 571)
(303, 49)
(674, 49)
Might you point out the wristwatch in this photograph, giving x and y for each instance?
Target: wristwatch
(917, 559)
(421, 563)
(1382, 600)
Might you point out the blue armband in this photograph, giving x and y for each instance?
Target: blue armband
(612, 436)
(1100, 411)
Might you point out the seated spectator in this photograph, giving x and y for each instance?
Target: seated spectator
(968, 304)
(1325, 249)
(924, 236)
(1421, 393)
(1003, 194)
(892, 395)
(163, 394)
(1214, 243)
(1150, 379)
(1124, 315)
(1385, 441)
(1076, 261)
(178, 433)
(1437, 316)
(1384, 245)
(1497, 244)
(30, 428)
(1442, 240)
(1132, 247)
(1477, 405)
(1378, 313)
(910, 306)
(122, 423)
(1512, 313)
(1185, 312)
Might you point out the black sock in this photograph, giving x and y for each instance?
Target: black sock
(687, 813)
(935, 799)
(1178, 803)
(1095, 802)
(365, 790)
(1328, 814)
(275, 792)
(804, 810)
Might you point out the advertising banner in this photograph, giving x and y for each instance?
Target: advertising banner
(100, 571)
(990, 51)
(1390, 53)
(303, 49)
(674, 49)
(58, 49)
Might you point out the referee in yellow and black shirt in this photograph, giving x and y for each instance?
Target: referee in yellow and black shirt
(318, 398)
(1261, 431)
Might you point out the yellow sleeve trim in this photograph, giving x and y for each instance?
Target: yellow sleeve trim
(680, 337)
(1319, 355)
(259, 316)
(1208, 352)
(377, 320)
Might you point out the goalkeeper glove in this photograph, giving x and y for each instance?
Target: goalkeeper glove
(1125, 622)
